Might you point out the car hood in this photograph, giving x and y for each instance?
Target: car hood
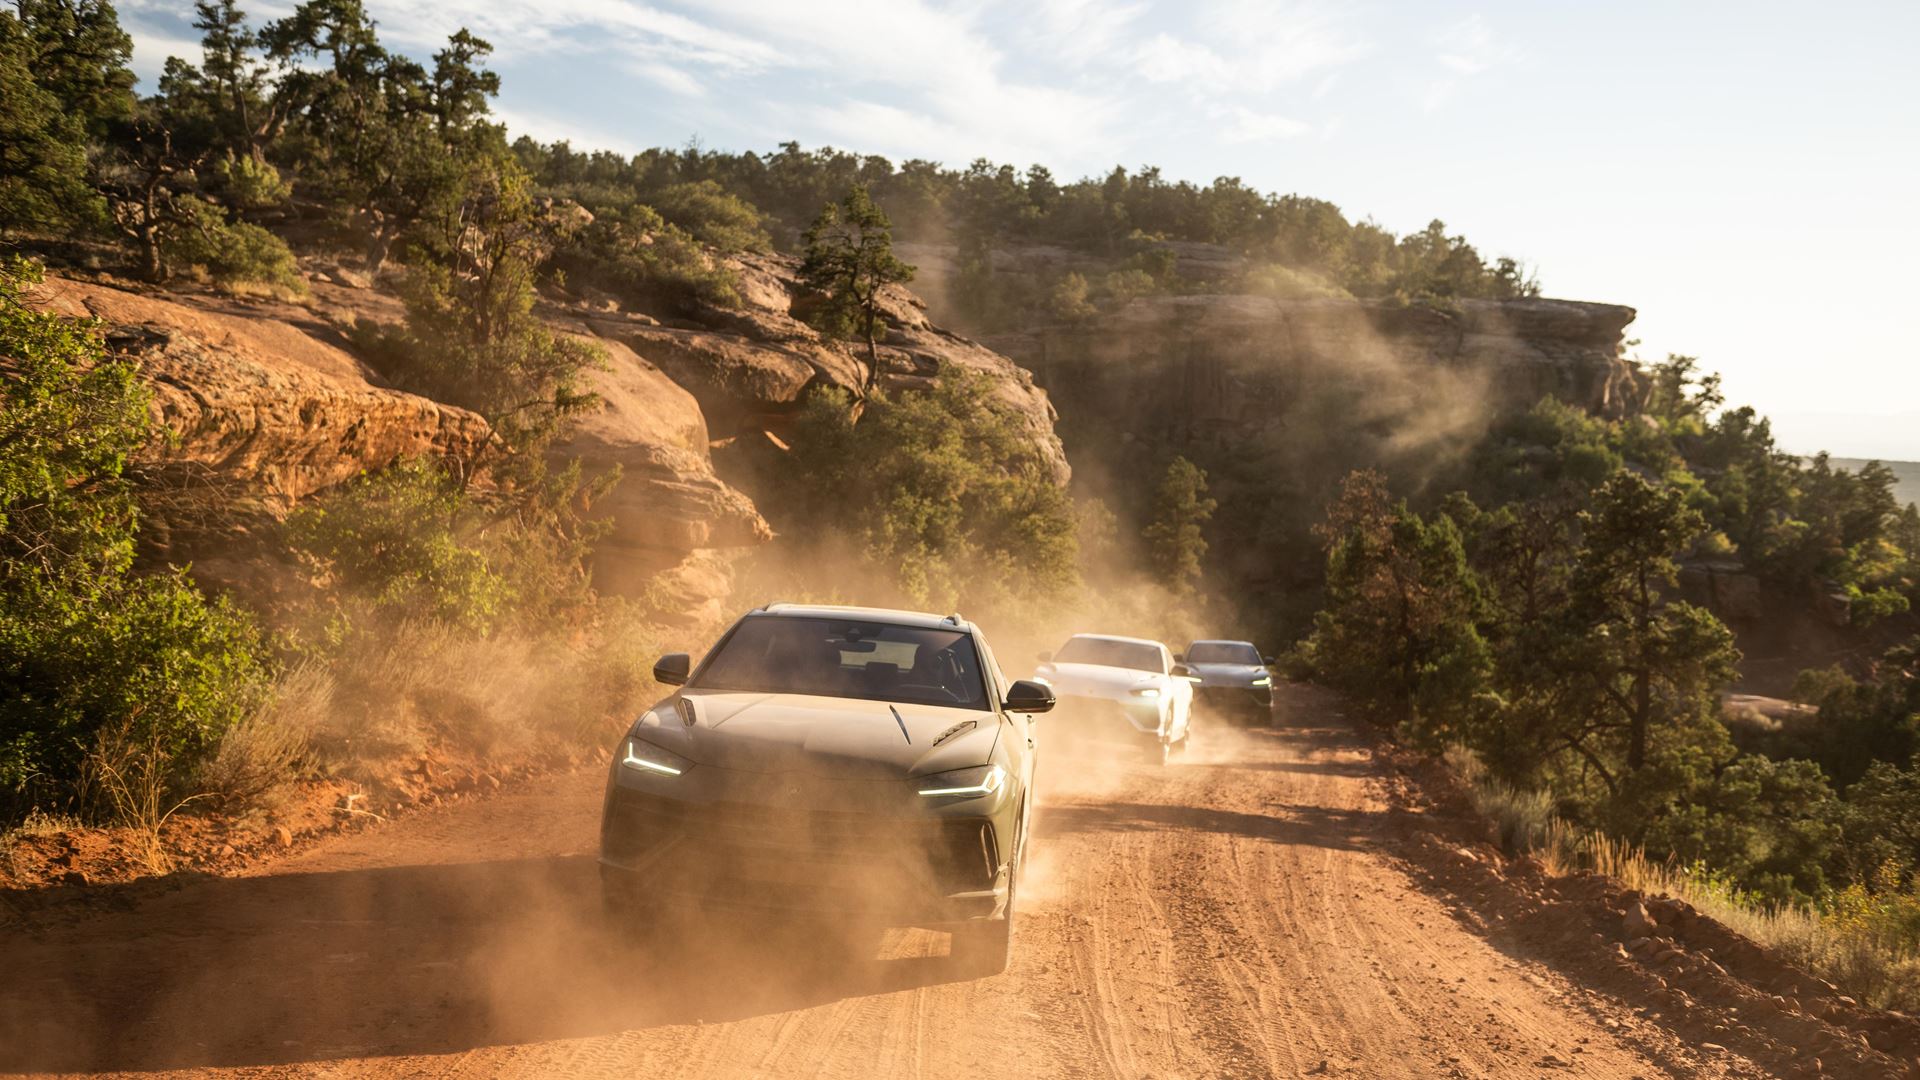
(820, 736)
(1228, 674)
(1096, 680)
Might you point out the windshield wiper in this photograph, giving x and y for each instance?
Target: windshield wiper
(903, 724)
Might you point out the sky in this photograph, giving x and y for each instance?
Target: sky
(1743, 174)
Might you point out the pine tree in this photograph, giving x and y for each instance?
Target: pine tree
(849, 260)
(1175, 541)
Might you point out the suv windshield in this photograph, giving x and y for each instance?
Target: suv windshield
(1222, 652)
(1105, 653)
(783, 654)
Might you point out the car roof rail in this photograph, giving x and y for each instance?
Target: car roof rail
(953, 619)
(773, 606)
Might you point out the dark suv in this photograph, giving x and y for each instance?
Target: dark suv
(1234, 680)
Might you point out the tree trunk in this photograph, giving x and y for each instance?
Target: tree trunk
(378, 247)
(153, 266)
(1642, 678)
(873, 359)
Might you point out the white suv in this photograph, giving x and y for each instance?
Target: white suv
(1110, 681)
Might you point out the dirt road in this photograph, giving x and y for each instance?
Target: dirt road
(1239, 914)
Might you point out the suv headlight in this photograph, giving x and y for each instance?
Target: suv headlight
(646, 757)
(964, 783)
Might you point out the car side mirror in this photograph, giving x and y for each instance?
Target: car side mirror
(1045, 657)
(672, 669)
(1267, 660)
(1179, 658)
(1181, 671)
(1028, 696)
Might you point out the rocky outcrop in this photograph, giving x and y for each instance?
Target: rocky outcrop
(261, 404)
(1725, 586)
(1278, 398)
(669, 512)
(253, 415)
(751, 367)
(254, 411)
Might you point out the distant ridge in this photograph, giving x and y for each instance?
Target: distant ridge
(1907, 490)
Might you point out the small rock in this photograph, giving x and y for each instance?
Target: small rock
(282, 836)
(1637, 922)
(74, 877)
(1713, 1048)
(226, 851)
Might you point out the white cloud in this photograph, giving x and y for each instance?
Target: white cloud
(1466, 49)
(669, 78)
(1077, 32)
(1077, 83)
(1165, 59)
(1244, 125)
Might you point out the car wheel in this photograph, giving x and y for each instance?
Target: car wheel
(982, 948)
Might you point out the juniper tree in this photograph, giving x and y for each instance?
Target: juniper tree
(849, 260)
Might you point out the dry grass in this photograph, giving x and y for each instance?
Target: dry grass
(260, 755)
(129, 772)
(1867, 942)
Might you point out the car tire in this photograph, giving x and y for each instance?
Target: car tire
(983, 947)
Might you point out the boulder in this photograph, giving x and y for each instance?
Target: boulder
(668, 505)
(1725, 586)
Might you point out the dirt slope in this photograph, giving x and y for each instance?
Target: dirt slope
(1241, 914)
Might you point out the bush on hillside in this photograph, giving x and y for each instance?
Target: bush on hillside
(102, 670)
(232, 254)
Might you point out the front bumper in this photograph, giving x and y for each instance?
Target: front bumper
(1234, 699)
(1103, 719)
(904, 867)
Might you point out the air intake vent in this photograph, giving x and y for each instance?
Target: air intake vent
(960, 728)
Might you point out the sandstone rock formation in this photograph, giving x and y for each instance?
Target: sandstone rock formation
(670, 513)
(751, 368)
(255, 412)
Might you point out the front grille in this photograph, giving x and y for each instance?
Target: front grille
(742, 843)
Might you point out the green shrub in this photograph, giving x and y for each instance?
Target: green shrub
(404, 538)
(148, 662)
(103, 673)
(713, 216)
(233, 254)
(638, 255)
(961, 509)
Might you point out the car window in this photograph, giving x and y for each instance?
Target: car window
(1222, 652)
(780, 654)
(1139, 656)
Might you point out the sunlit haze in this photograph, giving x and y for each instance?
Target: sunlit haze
(1740, 173)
